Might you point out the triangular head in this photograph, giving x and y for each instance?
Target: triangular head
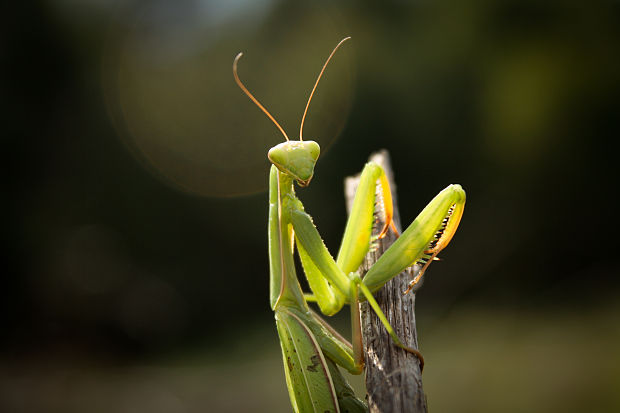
(296, 158)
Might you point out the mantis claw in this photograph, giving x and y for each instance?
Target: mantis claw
(394, 229)
(415, 353)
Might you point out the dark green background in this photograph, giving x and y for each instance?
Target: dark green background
(137, 279)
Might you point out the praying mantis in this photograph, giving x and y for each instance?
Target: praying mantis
(311, 349)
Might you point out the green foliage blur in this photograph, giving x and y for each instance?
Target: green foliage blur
(135, 205)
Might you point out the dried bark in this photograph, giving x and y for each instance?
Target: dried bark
(393, 376)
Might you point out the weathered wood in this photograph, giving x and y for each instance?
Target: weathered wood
(393, 376)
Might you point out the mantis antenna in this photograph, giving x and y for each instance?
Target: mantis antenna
(301, 127)
(251, 96)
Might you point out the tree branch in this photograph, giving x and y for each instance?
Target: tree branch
(393, 376)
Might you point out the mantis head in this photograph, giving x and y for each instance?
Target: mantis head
(294, 158)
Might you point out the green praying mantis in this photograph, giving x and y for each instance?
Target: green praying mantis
(311, 348)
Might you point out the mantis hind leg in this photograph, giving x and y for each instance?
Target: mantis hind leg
(347, 401)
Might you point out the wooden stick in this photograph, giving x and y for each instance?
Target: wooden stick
(393, 376)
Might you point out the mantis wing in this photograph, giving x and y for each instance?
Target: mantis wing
(314, 382)
(308, 378)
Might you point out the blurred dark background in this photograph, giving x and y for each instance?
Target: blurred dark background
(135, 205)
